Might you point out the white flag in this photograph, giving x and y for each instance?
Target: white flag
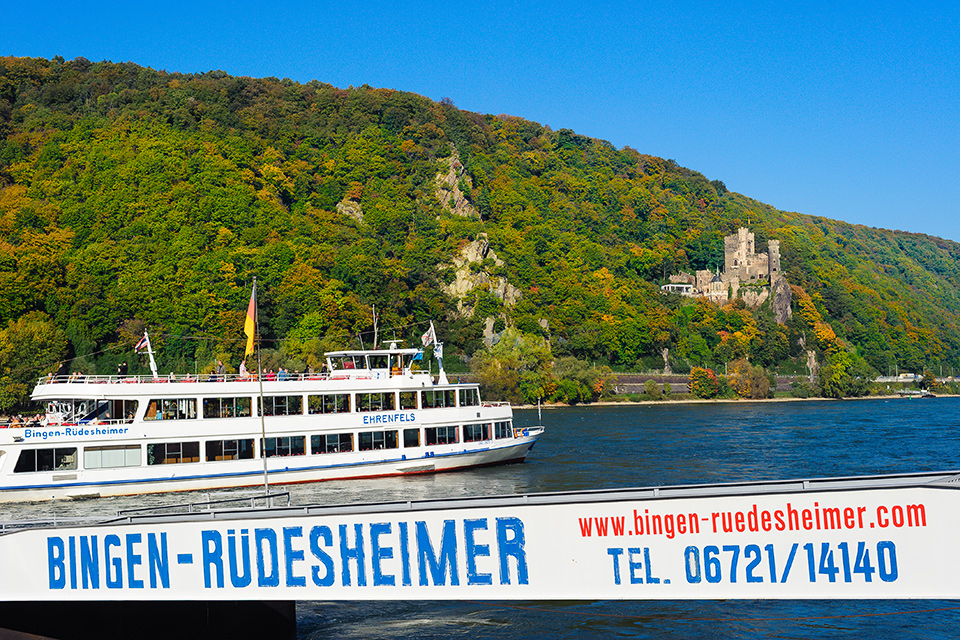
(429, 337)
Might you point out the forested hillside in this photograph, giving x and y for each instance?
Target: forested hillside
(133, 198)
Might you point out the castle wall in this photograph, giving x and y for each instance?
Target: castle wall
(742, 265)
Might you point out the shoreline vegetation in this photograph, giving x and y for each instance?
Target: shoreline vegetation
(690, 400)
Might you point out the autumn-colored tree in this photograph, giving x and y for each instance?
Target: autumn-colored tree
(929, 381)
(748, 381)
(703, 383)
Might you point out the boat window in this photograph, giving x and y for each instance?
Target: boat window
(226, 407)
(64, 458)
(172, 409)
(111, 457)
(331, 443)
(229, 449)
(329, 403)
(81, 411)
(283, 405)
(476, 432)
(379, 362)
(438, 398)
(285, 446)
(348, 362)
(123, 410)
(441, 435)
(408, 399)
(411, 438)
(469, 397)
(370, 440)
(377, 401)
(173, 452)
(503, 430)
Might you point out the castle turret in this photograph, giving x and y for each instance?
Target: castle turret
(773, 251)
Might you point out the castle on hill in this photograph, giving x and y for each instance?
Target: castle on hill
(746, 274)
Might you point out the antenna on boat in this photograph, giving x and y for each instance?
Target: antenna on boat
(251, 327)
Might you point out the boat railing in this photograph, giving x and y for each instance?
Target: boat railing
(248, 500)
(177, 377)
(54, 521)
(241, 499)
(92, 422)
(36, 423)
(338, 374)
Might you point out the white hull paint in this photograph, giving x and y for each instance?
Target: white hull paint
(176, 434)
(90, 486)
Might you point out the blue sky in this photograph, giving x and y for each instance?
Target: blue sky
(850, 111)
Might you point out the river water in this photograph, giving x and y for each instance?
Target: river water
(652, 445)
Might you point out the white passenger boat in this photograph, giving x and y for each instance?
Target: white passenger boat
(371, 414)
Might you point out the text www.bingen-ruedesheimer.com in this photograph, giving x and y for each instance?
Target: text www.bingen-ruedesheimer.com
(755, 519)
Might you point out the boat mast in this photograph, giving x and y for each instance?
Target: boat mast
(430, 337)
(438, 352)
(263, 424)
(153, 363)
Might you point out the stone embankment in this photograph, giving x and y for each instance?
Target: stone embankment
(634, 382)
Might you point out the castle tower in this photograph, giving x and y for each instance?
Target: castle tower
(745, 240)
(731, 267)
(773, 251)
(738, 249)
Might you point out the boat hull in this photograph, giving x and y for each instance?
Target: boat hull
(87, 484)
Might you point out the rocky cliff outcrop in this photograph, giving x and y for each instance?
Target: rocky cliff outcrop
(781, 300)
(449, 191)
(469, 277)
(350, 208)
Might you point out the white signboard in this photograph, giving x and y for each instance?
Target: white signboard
(876, 543)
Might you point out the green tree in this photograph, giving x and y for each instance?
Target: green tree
(517, 368)
(652, 390)
(845, 374)
(578, 381)
(29, 347)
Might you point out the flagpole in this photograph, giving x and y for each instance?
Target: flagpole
(153, 363)
(263, 407)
